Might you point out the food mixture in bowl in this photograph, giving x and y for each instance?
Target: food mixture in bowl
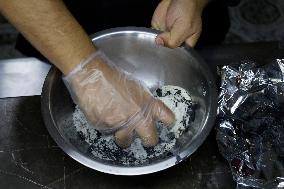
(104, 146)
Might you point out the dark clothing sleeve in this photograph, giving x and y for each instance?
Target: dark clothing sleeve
(233, 2)
(215, 23)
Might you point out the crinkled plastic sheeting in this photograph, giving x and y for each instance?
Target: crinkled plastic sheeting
(250, 124)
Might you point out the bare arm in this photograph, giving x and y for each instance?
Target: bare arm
(51, 28)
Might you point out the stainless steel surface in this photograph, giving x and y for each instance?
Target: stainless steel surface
(22, 77)
(134, 50)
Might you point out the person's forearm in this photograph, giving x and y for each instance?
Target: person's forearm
(51, 28)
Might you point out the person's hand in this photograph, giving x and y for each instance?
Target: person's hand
(113, 101)
(180, 21)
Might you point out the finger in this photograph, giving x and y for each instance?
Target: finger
(162, 113)
(89, 115)
(124, 137)
(147, 131)
(160, 41)
(159, 17)
(175, 37)
(192, 40)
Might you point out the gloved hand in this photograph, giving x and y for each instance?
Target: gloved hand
(113, 101)
(180, 21)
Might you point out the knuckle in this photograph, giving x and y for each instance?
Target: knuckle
(173, 43)
(150, 141)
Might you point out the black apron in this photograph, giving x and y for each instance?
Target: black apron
(97, 15)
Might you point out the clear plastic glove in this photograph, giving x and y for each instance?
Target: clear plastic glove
(114, 102)
(180, 21)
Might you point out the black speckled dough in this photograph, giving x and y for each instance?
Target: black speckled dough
(117, 155)
(176, 93)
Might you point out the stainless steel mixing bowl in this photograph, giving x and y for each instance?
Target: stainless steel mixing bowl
(134, 50)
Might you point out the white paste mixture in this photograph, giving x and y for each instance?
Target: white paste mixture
(104, 147)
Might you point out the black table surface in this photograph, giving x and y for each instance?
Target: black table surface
(31, 159)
